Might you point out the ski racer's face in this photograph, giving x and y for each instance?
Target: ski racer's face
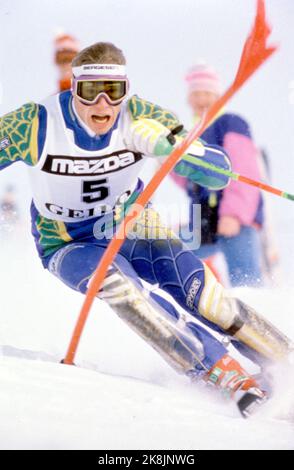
(99, 117)
(200, 101)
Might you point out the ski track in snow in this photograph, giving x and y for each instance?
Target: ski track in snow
(124, 396)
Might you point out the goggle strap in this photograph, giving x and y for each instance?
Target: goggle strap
(99, 69)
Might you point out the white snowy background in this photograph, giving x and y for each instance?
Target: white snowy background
(126, 397)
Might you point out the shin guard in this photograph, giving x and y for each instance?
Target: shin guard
(169, 336)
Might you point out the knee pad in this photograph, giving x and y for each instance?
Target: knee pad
(75, 263)
(241, 321)
(215, 305)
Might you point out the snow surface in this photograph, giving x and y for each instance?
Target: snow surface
(124, 396)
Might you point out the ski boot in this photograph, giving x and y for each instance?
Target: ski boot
(234, 382)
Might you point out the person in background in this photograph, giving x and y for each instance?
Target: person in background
(230, 218)
(66, 48)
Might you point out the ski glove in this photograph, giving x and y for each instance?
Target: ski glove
(191, 167)
(149, 137)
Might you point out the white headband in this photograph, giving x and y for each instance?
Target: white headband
(99, 69)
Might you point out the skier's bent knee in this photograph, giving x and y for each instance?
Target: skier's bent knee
(242, 322)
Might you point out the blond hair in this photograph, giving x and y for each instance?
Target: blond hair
(99, 53)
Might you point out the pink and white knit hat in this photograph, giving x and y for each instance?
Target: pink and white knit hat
(202, 77)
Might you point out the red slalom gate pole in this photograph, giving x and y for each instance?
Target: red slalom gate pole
(255, 52)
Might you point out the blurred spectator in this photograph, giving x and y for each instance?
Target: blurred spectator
(65, 49)
(231, 218)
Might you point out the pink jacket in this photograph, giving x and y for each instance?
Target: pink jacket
(240, 200)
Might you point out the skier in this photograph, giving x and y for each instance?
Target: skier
(84, 149)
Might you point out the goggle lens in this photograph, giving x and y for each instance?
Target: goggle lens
(89, 90)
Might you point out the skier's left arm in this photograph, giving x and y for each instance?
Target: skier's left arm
(155, 136)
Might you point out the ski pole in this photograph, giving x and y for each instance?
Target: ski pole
(238, 177)
(254, 53)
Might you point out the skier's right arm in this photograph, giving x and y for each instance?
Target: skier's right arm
(20, 136)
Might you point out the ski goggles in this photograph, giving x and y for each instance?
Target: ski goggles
(89, 90)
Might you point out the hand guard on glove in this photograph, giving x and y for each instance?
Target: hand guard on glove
(190, 166)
